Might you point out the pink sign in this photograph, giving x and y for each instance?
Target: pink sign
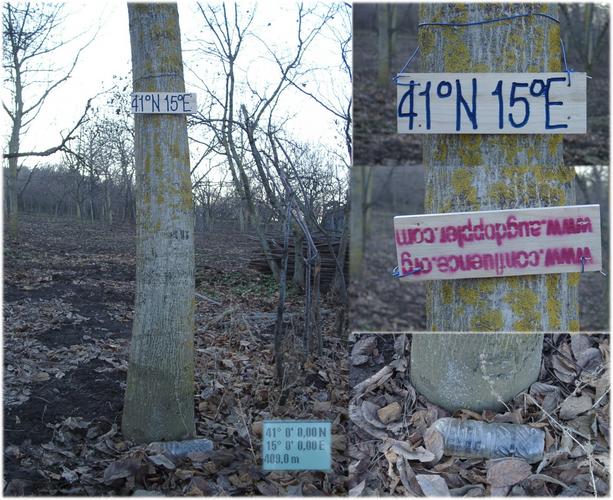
(498, 243)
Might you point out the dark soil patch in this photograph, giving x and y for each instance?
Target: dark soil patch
(80, 393)
(13, 293)
(63, 335)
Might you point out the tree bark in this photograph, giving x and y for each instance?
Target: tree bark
(472, 370)
(14, 148)
(298, 278)
(361, 197)
(383, 43)
(492, 172)
(159, 395)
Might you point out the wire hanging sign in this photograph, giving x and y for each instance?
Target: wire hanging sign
(491, 103)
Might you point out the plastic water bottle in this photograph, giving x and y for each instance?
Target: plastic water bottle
(180, 449)
(471, 438)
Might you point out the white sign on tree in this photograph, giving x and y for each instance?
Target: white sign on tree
(491, 103)
(498, 243)
(164, 103)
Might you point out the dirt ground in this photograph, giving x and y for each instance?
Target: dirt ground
(569, 402)
(68, 305)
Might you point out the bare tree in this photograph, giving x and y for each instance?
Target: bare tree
(586, 31)
(387, 15)
(237, 127)
(30, 41)
(159, 401)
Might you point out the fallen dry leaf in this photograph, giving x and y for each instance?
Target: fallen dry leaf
(389, 413)
(434, 442)
(407, 452)
(433, 485)
(573, 406)
(507, 471)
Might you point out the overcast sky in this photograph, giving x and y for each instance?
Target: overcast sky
(109, 55)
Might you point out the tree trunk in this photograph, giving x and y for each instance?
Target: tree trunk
(361, 196)
(492, 172)
(298, 278)
(159, 401)
(472, 370)
(279, 362)
(91, 209)
(107, 200)
(14, 148)
(383, 43)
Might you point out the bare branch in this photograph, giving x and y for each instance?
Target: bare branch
(62, 145)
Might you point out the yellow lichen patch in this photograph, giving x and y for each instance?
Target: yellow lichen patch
(524, 304)
(175, 151)
(428, 201)
(511, 146)
(552, 144)
(458, 12)
(447, 206)
(160, 32)
(509, 60)
(515, 171)
(573, 279)
(573, 325)
(553, 195)
(171, 62)
(489, 321)
(469, 150)
(513, 281)
(447, 292)
(468, 295)
(549, 174)
(567, 173)
(501, 193)
(480, 68)
(159, 198)
(531, 153)
(487, 285)
(538, 42)
(515, 42)
(554, 49)
(456, 55)
(423, 10)
(553, 303)
(157, 153)
(186, 191)
(440, 154)
(426, 41)
(462, 184)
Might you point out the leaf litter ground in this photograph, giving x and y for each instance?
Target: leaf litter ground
(390, 453)
(68, 303)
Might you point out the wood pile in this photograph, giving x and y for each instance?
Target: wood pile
(328, 264)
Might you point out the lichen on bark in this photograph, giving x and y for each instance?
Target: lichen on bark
(494, 172)
(159, 394)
